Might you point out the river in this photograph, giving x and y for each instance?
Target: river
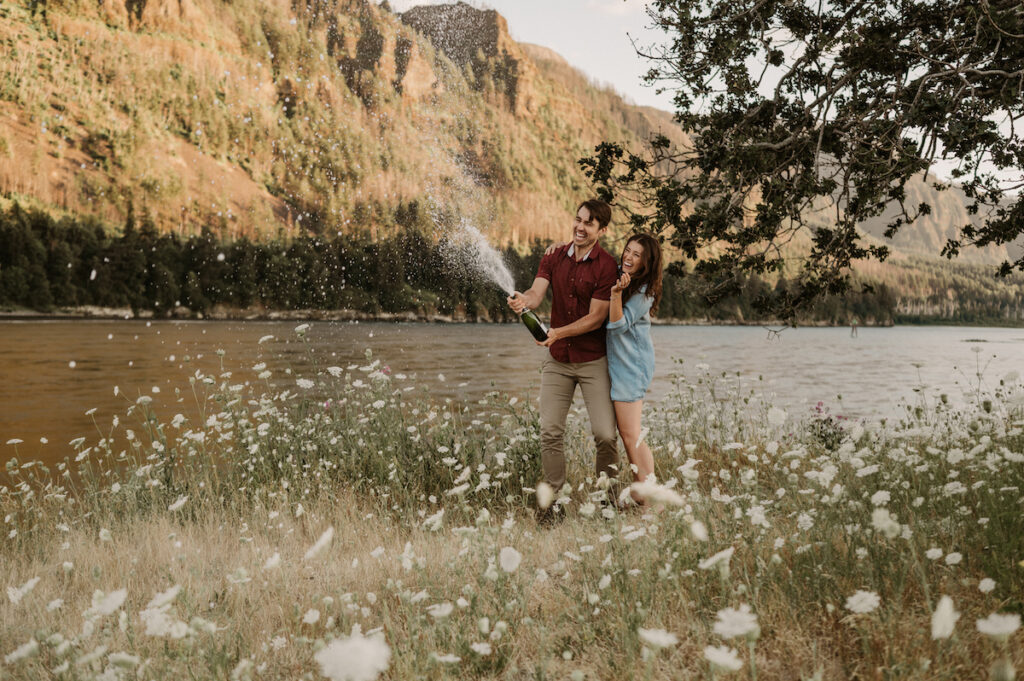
(55, 371)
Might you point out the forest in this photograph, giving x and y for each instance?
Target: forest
(50, 264)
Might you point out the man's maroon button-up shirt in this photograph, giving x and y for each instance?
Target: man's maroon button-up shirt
(573, 284)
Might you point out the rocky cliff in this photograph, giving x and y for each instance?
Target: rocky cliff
(257, 116)
(252, 117)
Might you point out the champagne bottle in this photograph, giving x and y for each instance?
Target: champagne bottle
(534, 324)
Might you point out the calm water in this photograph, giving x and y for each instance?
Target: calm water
(53, 372)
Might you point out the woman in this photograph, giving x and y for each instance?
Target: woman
(630, 351)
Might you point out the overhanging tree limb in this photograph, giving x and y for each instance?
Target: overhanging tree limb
(795, 105)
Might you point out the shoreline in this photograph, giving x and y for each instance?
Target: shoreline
(91, 313)
(223, 314)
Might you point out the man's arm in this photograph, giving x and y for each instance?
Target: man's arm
(592, 320)
(531, 298)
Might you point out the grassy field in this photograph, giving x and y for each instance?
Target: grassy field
(342, 524)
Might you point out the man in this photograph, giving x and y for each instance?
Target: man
(580, 275)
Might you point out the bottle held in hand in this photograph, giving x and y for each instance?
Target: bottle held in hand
(534, 324)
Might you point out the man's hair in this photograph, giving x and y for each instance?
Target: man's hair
(599, 210)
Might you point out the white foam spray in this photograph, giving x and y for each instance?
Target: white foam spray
(481, 256)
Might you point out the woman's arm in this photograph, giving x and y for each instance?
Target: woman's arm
(636, 307)
(615, 310)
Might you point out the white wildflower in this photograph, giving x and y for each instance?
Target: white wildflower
(123, 660)
(732, 623)
(354, 658)
(884, 522)
(440, 610)
(722, 557)
(862, 602)
(723, 657)
(944, 618)
(16, 593)
(239, 576)
(545, 495)
(999, 626)
(105, 604)
(321, 544)
(22, 652)
(509, 559)
(880, 498)
(657, 638)
(164, 598)
(457, 490)
(656, 493)
(434, 522)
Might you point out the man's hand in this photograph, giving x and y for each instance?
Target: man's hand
(553, 335)
(517, 302)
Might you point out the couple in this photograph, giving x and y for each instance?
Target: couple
(613, 364)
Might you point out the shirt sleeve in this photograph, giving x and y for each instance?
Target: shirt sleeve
(636, 307)
(546, 263)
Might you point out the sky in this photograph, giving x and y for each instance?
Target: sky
(592, 35)
(596, 37)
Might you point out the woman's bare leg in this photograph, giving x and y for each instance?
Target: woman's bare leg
(627, 416)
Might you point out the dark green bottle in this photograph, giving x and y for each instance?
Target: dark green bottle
(534, 324)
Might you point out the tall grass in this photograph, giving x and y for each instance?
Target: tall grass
(286, 516)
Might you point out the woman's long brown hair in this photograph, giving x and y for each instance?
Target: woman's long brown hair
(650, 269)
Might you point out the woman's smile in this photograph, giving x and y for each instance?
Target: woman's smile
(632, 257)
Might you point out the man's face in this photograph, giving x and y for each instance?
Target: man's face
(585, 230)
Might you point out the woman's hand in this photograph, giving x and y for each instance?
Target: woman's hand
(622, 284)
(554, 247)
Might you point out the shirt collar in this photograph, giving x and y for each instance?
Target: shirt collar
(572, 252)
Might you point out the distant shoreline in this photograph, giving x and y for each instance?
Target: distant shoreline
(221, 314)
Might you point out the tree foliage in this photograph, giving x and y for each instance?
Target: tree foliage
(808, 117)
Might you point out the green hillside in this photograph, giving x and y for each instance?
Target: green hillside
(254, 117)
(285, 122)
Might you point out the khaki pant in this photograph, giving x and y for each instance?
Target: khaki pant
(557, 386)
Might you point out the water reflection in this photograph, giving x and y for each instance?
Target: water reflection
(45, 397)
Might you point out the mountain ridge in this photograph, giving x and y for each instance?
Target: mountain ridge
(256, 118)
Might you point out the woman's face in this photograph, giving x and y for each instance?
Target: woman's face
(632, 258)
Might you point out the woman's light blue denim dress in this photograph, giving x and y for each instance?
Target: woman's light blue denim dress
(630, 351)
